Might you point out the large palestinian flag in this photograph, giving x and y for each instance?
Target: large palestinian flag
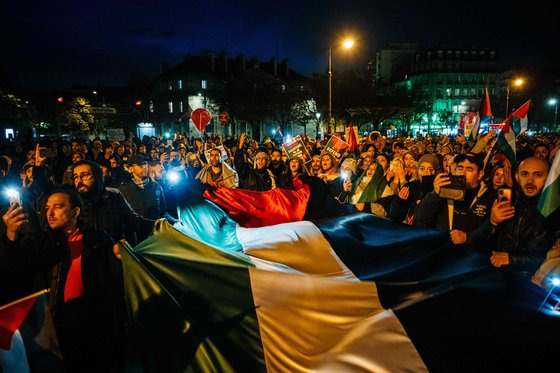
(353, 293)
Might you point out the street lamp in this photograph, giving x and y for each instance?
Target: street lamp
(346, 44)
(554, 102)
(518, 83)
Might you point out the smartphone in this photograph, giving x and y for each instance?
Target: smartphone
(428, 179)
(504, 194)
(13, 196)
(457, 182)
(345, 175)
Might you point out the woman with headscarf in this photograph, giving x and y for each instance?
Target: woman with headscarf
(421, 183)
(370, 192)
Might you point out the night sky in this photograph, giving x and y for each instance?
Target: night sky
(54, 44)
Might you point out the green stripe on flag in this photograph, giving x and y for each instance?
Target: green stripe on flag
(190, 306)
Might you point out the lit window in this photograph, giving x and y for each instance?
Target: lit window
(170, 86)
(151, 106)
(203, 84)
(457, 92)
(170, 105)
(180, 106)
(283, 88)
(301, 88)
(180, 84)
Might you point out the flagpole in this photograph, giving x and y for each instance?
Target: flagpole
(490, 151)
(44, 291)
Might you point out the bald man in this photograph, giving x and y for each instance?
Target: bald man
(521, 235)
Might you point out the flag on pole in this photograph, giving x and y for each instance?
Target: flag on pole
(484, 115)
(352, 141)
(279, 130)
(28, 340)
(505, 141)
(11, 317)
(520, 119)
(550, 197)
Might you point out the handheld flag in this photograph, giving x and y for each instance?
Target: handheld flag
(352, 141)
(520, 121)
(28, 340)
(506, 140)
(550, 198)
(279, 130)
(484, 115)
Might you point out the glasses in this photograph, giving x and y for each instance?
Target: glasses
(84, 176)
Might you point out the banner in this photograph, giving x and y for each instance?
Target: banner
(467, 122)
(336, 147)
(296, 149)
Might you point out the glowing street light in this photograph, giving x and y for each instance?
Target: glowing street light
(517, 83)
(348, 43)
(554, 102)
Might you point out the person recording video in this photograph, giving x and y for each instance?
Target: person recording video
(459, 203)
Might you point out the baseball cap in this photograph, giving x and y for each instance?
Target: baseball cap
(137, 159)
(473, 158)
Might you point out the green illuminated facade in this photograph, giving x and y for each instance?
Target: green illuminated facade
(454, 80)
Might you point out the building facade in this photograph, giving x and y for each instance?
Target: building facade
(193, 83)
(453, 79)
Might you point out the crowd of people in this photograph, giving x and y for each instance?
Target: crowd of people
(78, 198)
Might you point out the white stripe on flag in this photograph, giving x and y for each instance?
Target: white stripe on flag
(321, 324)
(300, 246)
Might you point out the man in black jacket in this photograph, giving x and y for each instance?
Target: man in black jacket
(521, 236)
(87, 296)
(461, 218)
(144, 196)
(106, 208)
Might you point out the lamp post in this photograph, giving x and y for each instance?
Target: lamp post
(554, 102)
(346, 44)
(518, 83)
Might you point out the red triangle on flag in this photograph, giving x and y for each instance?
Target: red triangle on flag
(11, 317)
(352, 141)
(485, 110)
(522, 111)
(338, 144)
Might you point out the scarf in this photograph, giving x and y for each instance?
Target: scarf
(374, 189)
(142, 183)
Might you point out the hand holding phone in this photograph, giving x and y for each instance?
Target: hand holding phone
(14, 218)
(14, 196)
(504, 194)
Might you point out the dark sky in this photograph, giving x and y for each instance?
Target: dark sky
(53, 44)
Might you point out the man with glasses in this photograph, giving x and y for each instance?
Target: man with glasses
(106, 208)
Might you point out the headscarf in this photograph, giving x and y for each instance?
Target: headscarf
(374, 189)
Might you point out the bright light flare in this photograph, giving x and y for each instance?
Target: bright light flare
(173, 176)
(348, 44)
(555, 281)
(552, 101)
(518, 82)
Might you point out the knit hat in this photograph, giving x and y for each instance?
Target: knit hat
(259, 155)
(431, 159)
(349, 163)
